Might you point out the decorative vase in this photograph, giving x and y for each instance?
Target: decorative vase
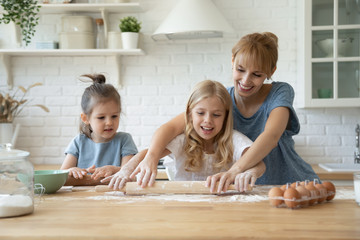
(8, 134)
(130, 40)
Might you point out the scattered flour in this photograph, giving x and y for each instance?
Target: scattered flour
(345, 194)
(122, 198)
(15, 205)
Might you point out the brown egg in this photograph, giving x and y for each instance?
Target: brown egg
(285, 186)
(305, 195)
(314, 192)
(330, 190)
(291, 198)
(276, 196)
(293, 185)
(322, 192)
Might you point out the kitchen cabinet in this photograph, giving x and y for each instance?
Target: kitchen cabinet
(329, 53)
(104, 9)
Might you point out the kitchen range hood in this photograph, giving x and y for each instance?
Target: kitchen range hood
(193, 19)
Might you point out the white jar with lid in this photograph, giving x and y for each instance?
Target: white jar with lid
(16, 182)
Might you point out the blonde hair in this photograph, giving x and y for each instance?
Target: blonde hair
(98, 92)
(258, 48)
(194, 147)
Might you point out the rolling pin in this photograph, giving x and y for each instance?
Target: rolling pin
(165, 187)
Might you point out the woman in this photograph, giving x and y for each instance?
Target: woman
(263, 112)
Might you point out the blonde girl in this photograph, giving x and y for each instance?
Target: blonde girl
(209, 144)
(99, 149)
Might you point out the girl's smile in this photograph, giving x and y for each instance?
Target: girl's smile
(207, 118)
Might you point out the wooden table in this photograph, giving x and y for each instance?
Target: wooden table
(82, 213)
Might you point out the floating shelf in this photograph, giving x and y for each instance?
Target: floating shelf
(87, 7)
(6, 54)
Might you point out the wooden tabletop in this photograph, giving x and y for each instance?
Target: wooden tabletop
(82, 213)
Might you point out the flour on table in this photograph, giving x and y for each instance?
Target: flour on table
(231, 197)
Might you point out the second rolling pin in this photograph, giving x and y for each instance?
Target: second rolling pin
(165, 187)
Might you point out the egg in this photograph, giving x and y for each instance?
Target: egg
(293, 185)
(322, 192)
(276, 196)
(292, 197)
(305, 195)
(330, 190)
(314, 192)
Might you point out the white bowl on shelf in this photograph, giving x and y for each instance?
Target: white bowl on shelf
(326, 45)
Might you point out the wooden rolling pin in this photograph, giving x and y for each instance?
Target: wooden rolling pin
(165, 187)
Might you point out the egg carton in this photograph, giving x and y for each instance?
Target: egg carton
(292, 200)
(299, 203)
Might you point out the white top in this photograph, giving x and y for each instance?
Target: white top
(175, 162)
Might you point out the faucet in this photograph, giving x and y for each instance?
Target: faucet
(357, 140)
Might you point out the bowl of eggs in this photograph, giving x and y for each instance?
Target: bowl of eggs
(301, 194)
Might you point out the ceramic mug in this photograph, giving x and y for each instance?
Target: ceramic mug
(114, 40)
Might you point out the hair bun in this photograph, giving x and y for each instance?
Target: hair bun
(99, 78)
(96, 78)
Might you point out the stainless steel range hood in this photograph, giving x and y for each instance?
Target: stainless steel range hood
(193, 19)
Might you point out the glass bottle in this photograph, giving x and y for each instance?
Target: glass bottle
(100, 34)
(16, 182)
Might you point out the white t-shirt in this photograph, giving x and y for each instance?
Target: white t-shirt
(175, 162)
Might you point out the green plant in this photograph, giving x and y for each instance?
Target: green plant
(10, 107)
(24, 14)
(129, 24)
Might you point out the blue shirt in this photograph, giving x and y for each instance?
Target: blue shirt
(90, 153)
(283, 164)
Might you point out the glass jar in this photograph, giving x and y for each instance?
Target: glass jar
(16, 182)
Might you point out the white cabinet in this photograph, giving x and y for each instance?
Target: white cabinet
(329, 52)
(104, 9)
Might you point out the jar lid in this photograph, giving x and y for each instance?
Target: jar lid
(6, 152)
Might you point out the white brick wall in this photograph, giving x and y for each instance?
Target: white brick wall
(156, 86)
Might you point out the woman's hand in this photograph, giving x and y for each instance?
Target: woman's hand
(241, 180)
(102, 172)
(77, 173)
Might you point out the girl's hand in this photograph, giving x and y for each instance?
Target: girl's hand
(102, 172)
(147, 170)
(119, 179)
(223, 179)
(77, 173)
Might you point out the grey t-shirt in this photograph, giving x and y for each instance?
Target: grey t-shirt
(91, 153)
(283, 164)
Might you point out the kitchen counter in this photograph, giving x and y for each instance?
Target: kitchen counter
(82, 213)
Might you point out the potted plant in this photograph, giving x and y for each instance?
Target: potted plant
(23, 13)
(10, 107)
(130, 28)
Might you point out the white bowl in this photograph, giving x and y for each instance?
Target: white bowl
(77, 40)
(77, 24)
(326, 45)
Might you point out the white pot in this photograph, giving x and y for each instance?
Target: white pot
(130, 40)
(8, 134)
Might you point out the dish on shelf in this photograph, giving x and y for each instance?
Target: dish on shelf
(327, 46)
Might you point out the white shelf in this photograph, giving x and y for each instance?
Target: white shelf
(104, 9)
(87, 7)
(71, 52)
